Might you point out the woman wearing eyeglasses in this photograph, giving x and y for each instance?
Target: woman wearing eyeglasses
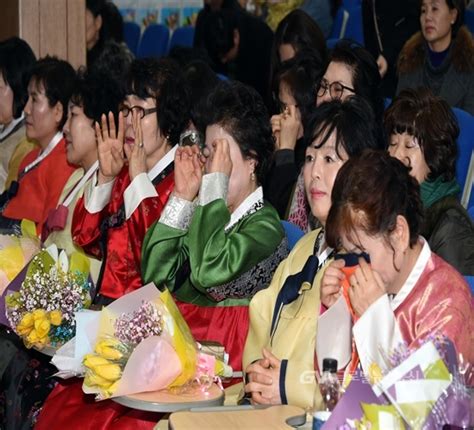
(294, 90)
(352, 71)
(135, 176)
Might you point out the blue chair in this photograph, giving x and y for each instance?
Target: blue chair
(354, 28)
(182, 36)
(339, 24)
(131, 35)
(347, 25)
(154, 42)
(465, 151)
(469, 20)
(470, 281)
(293, 233)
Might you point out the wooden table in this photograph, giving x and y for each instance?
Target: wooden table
(241, 417)
(166, 401)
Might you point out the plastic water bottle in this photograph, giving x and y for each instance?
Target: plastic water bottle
(329, 384)
(330, 389)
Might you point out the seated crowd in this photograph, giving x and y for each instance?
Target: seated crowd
(99, 160)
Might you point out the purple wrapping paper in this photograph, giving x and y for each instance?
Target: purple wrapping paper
(453, 407)
(348, 407)
(14, 286)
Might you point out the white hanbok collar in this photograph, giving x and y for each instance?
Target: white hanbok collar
(414, 275)
(70, 197)
(252, 203)
(5, 131)
(43, 154)
(162, 164)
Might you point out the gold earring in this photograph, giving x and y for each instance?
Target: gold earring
(252, 176)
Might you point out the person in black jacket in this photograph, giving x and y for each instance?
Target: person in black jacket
(239, 46)
(387, 26)
(422, 132)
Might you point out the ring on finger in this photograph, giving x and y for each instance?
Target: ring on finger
(140, 145)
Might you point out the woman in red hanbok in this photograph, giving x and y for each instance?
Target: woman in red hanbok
(44, 171)
(127, 195)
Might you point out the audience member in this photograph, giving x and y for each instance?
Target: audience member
(407, 293)
(294, 91)
(280, 346)
(16, 62)
(239, 45)
(216, 254)
(296, 32)
(104, 31)
(44, 171)
(352, 70)
(125, 197)
(441, 56)
(387, 26)
(423, 130)
(92, 95)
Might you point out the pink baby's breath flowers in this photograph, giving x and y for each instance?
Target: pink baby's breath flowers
(138, 325)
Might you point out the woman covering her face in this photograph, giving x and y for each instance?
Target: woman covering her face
(294, 91)
(135, 176)
(441, 56)
(407, 293)
(280, 347)
(217, 243)
(422, 131)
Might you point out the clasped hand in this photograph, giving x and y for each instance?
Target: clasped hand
(264, 380)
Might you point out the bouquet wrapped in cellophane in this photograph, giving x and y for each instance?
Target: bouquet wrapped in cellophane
(425, 388)
(54, 288)
(138, 343)
(16, 252)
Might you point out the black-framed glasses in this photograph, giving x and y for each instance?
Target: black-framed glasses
(336, 89)
(142, 112)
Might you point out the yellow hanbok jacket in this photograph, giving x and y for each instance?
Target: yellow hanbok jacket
(294, 339)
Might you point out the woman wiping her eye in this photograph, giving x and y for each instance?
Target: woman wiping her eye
(407, 293)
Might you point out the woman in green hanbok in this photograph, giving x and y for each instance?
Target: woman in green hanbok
(217, 242)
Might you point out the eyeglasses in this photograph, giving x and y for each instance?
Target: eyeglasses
(190, 138)
(336, 89)
(142, 112)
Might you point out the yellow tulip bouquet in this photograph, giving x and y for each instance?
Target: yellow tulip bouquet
(42, 311)
(142, 343)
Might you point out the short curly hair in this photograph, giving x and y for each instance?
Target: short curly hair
(240, 110)
(162, 80)
(369, 192)
(97, 94)
(432, 122)
(57, 77)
